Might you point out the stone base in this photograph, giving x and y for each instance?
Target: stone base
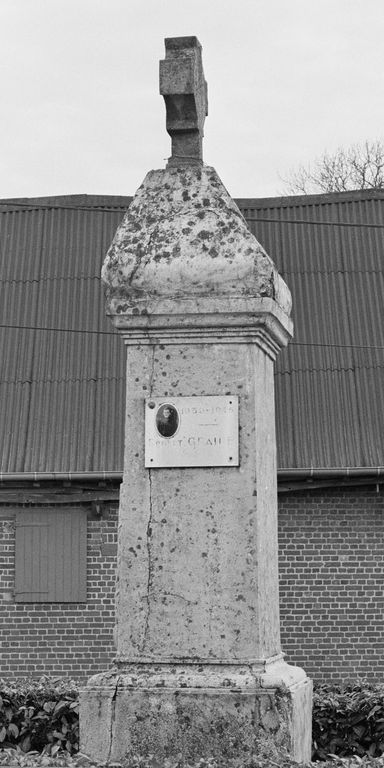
(211, 710)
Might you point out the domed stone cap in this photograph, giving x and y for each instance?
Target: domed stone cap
(184, 238)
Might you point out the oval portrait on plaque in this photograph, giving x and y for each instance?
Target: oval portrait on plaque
(167, 420)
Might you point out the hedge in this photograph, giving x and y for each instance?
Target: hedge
(37, 715)
(348, 720)
(42, 716)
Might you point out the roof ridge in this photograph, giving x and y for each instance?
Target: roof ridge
(66, 202)
(323, 198)
(282, 201)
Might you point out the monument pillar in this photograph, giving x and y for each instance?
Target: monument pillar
(199, 669)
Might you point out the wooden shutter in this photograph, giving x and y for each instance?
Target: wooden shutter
(51, 555)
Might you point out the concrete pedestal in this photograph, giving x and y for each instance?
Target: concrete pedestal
(199, 669)
(219, 711)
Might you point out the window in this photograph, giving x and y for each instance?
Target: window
(51, 555)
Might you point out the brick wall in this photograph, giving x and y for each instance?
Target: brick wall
(63, 639)
(331, 593)
(332, 582)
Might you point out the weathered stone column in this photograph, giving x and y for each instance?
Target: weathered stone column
(203, 312)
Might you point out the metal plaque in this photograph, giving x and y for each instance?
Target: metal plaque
(192, 431)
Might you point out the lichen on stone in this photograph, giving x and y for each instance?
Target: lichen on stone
(183, 235)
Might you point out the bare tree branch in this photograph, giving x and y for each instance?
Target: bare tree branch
(360, 166)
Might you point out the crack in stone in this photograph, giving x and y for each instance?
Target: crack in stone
(150, 565)
(149, 526)
(152, 371)
(175, 594)
(113, 712)
(141, 263)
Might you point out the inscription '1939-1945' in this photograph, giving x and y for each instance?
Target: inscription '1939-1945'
(192, 431)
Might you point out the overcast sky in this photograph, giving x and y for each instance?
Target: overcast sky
(287, 79)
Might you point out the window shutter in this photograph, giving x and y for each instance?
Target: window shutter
(51, 555)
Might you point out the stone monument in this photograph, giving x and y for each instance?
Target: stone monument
(199, 669)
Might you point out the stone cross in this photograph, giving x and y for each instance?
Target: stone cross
(199, 670)
(184, 89)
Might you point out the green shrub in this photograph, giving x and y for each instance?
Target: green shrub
(43, 716)
(348, 720)
(37, 715)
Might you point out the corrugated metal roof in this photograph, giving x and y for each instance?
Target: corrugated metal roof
(329, 386)
(62, 391)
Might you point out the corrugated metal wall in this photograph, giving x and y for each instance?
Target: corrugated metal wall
(329, 385)
(62, 392)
